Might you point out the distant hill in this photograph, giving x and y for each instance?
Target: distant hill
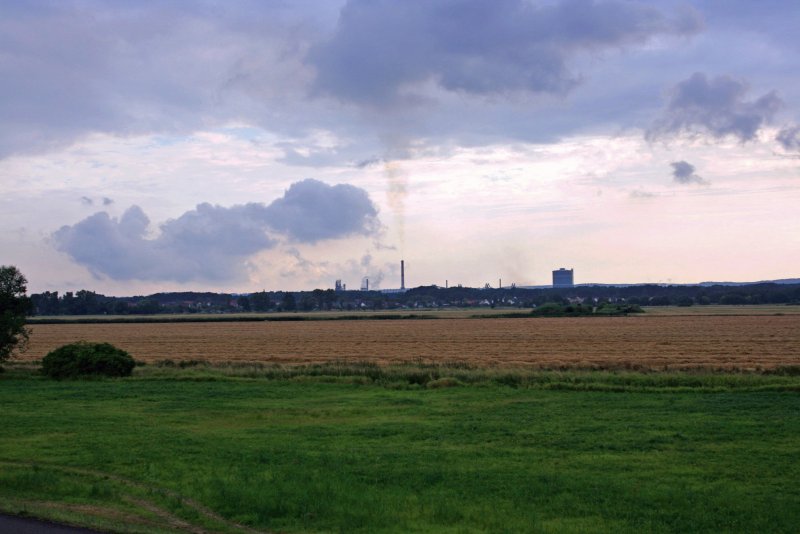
(781, 281)
(791, 281)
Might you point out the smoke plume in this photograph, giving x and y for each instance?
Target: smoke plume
(397, 191)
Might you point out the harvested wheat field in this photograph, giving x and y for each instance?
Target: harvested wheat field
(754, 342)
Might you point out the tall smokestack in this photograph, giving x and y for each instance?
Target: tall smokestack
(402, 274)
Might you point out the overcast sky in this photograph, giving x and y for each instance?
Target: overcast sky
(248, 145)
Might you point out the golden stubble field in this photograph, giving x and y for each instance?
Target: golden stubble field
(748, 342)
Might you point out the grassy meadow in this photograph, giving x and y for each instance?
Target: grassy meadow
(408, 448)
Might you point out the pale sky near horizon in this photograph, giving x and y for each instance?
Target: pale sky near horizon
(245, 145)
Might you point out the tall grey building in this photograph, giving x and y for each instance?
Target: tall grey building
(563, 278)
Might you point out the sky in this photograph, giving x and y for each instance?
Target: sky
(241, 145)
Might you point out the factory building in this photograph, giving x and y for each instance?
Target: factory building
(563, 278)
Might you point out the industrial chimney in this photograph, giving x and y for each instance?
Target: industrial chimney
(402, 274)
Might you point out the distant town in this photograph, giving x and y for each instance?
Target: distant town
(562, 291)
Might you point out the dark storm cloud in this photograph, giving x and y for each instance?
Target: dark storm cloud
(717, 107)
(381, 48)
(487, 71)
(214, 242)
(789, 137)
(140, 68)
(683, 173)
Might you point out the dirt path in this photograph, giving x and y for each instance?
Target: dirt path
(27, 525)
(172, 520)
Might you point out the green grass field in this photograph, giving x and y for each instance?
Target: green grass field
(414, 448)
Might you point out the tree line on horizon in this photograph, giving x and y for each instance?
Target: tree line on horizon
(87, 302)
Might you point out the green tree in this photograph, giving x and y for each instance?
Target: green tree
(14, 306)
(319, 296)
(288, 303)
(244, 303)
(260, 301)
(307, 302)
(147, 306)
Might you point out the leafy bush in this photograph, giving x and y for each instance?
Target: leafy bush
(618, 309)
(87, 359)
(552, 309)
(548, 309)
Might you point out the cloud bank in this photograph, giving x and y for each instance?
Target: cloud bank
(146, 68)
(214, 242)
(381, 49)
